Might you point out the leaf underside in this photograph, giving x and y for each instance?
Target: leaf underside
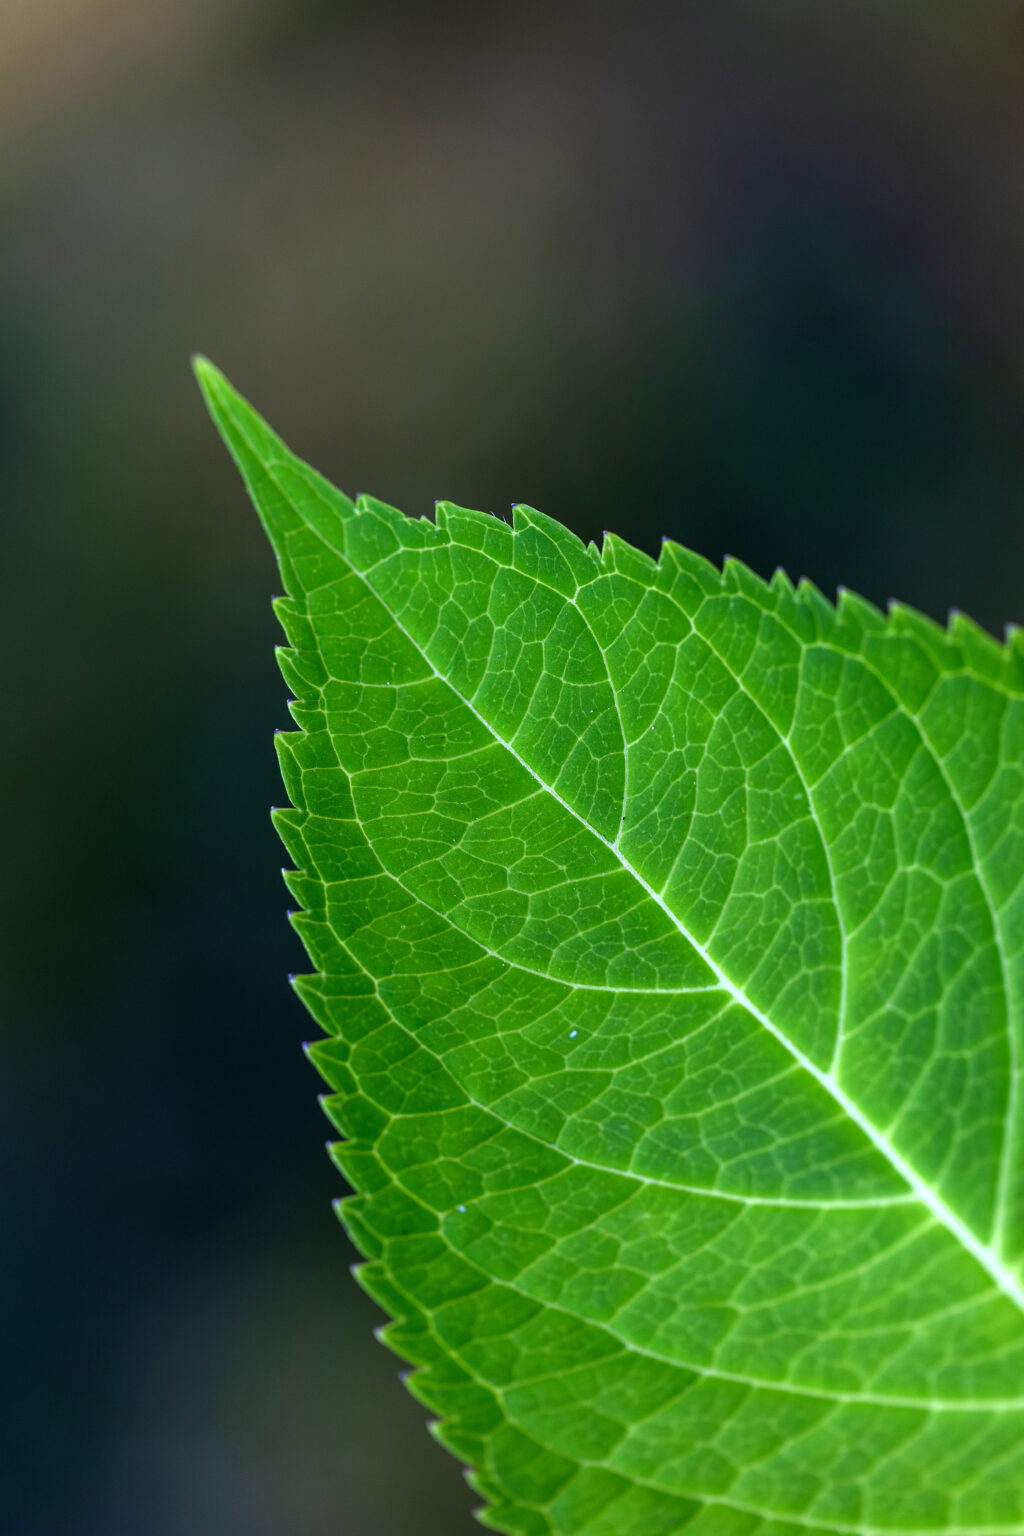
(668, 934)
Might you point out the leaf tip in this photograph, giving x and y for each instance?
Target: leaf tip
(209, 378)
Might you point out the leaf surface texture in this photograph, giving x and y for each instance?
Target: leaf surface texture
(668, 939)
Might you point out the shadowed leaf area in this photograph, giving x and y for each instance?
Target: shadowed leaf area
(668, 939)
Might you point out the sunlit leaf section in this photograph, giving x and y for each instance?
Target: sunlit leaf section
(667, 932)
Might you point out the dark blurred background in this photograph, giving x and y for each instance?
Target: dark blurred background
(751, 276)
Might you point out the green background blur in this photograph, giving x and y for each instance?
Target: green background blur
(751, 276)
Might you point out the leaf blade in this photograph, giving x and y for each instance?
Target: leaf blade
(643, 866)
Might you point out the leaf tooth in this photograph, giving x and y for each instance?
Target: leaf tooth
(853, 609)
(288, 824)
(550, 552)
(982, 650)
(303, 671)
(781, 583)
(447, 513)
(383, 509)
(814, 602)
(310, 994)
(347, 1209)
(629, 561)
(908, 617)
(306, 889)
(738, 577)
(676, 557)
(354, 1165)
(294, 619)
(323, 1056)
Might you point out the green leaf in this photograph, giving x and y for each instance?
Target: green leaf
(668, 934)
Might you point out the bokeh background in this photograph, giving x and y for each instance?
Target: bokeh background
(751, 276)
